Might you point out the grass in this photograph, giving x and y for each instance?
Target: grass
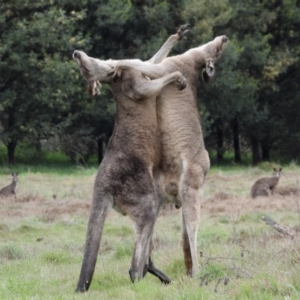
(29, 160)
(42, 241)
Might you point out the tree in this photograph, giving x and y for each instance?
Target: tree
(36, 80)
(262, 51)
(120, 29)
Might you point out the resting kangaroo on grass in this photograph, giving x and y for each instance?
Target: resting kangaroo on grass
(10, 189)
(266, 185)
(185, 161)
(125, 177)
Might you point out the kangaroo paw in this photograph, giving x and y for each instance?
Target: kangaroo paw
(183, 30)
(115, 73)
(181, 84)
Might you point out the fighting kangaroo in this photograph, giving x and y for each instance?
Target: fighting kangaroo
(185, 161)
(125, 177)
(266, 185)
(10, 189)
(96, 71)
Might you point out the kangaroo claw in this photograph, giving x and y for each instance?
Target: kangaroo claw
(183, 30)
(115, 73)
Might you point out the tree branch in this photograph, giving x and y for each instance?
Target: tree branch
(281, 229)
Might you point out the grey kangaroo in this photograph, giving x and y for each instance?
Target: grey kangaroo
(185, 161)
(125, 177)
(10, 189)
(266, 185)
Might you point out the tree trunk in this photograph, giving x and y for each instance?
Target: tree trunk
(265, 150)
(11, 146)
(100, 149)
(236, 140)
(255, 151)
(220, 142)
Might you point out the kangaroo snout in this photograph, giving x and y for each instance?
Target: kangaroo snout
(76, 54)
(224, 39)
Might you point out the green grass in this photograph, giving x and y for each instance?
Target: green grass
(42, 242)
(30, 160)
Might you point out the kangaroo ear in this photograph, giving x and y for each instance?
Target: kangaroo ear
(208, 72)
(280, 169)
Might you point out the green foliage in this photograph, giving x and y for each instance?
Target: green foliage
(267, 166)
(256, 70)
(37, 78)
(254, 97)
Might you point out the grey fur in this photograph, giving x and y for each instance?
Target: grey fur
(125, 179)
(265, 186)
(10, 189)
(185, 161)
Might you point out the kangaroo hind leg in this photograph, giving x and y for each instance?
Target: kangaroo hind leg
(191, 193)
(144, 218)
(99, 210)
(190, 226)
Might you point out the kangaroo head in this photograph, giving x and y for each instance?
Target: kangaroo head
(213, 51)
(93, 70)
(15, 177)
(277, 172)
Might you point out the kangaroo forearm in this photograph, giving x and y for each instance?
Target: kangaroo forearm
(148, 69)
(153, 87)
(169, 44)
(165, 49)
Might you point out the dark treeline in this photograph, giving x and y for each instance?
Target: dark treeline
(253, 104)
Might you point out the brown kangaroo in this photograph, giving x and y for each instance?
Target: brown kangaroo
(10, 189)
(125, 177)
(266, 185)
(185, 161)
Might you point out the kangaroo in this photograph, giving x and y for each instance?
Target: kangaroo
(96, 71)
(10, 189)
(266, 185)
(185, 161)
(125, 179)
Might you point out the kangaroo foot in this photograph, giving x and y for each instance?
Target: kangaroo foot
(159, 274)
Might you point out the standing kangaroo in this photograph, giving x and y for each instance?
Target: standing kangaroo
(185, 161)
(266, 185)
(10, 189)
(125, 179)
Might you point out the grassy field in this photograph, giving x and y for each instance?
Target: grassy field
(42, 235)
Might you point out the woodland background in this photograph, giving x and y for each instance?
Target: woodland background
(250, 110)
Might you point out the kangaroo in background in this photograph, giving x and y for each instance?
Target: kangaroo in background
(125, 179)
(266, 185)
(11, 188)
